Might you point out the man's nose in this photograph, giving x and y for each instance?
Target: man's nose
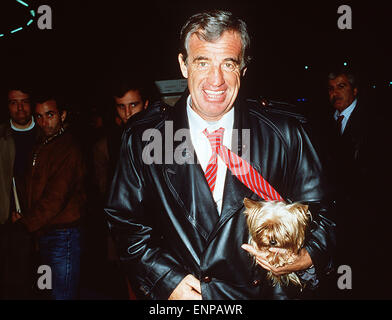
(333, 92)
(20, 106)
(128, 111)
(215, 76)
(45, 122)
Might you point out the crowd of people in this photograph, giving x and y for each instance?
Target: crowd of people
(110, 226)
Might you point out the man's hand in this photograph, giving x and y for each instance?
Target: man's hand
(15, 216)
(302, 261)
(188, 289)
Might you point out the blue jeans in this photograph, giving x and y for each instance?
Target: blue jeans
(60, 249)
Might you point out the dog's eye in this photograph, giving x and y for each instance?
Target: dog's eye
(272, 242)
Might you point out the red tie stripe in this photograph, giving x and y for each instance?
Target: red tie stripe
(215, 139)
(239, 167)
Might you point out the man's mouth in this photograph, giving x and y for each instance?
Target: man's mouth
(214, 95)
(336, 100)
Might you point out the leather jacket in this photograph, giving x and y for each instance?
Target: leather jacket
(55, 185)
(160, 214)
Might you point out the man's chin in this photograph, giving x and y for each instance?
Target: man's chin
(338, 105)
(21, 122)
(48, 134)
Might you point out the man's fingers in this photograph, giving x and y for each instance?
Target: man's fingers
(265, 264)
(15, 216)
(251, 250)
(255, 252)
(194, 283)
(187, 289)
(262, 262)
(278, 250)
(193, 295)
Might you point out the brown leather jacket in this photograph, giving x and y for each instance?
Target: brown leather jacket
(55, 185)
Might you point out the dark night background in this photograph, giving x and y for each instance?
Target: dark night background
(93, 41)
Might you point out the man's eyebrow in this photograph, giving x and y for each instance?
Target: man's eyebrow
(199, 58)
(236, 61)
(128, 103)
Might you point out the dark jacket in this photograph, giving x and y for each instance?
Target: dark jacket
(13, 159)
(160, 214)
(55, 185)
(7, 158)
(354, 155)
(105, 158)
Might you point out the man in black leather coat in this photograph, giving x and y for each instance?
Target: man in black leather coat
(177, 239)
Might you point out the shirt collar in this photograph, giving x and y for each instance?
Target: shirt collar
(198, 124)
(31, 126)
(346, 112)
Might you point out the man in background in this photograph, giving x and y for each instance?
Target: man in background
(357, 163)
(130, 95)
(17, 137)
(56, 197)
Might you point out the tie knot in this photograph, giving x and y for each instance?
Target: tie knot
(215, 138)
(340, 118)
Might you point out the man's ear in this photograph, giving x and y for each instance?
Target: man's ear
(244, 71)
(183, 67)
(146, 104)
(355, 91)
(63, 115)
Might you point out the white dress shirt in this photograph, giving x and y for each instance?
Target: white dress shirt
(346, 113)
(203, 147)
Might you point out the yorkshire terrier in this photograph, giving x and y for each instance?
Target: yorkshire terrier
(275, 224)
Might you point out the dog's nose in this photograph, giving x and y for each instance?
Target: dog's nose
(272, 242)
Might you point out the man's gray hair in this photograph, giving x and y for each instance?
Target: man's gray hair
(351, 76)
(209, 26)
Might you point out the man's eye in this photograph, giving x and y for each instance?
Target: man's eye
(26, 101)
(38, 116)
(121, 106)
(229, 66)
(202, 64)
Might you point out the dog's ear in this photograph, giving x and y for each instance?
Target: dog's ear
(299, 206)
(250, 204)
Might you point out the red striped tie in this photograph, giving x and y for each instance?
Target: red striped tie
(238, 166)
(215, 139)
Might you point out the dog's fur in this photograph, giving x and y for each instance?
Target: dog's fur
(279, 225)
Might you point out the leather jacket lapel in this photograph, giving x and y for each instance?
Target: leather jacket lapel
(187, 181)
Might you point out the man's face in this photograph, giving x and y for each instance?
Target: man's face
(129, 104)
(48, 117)
(341, 93)
(19, 107)
(213, 73)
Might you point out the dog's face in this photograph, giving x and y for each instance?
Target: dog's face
(276, 224)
